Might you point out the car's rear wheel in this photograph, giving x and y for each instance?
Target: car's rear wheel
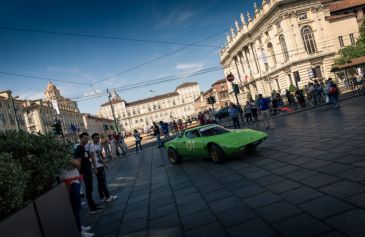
(251, 147)
(173, 156)
(216, 154)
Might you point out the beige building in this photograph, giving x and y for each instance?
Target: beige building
(95, 124)
(11, 112)
(41, 114)
(142, 113)
(283, 43)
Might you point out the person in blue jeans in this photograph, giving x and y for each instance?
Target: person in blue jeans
(233, 114)
(138, 138)
(264, 106)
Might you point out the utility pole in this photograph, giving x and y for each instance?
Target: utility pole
(112, 108)
(15, 111)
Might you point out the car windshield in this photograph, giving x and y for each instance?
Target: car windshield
(212, 131)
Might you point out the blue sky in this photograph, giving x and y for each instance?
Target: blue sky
(88, 60)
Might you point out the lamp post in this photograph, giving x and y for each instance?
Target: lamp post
(14, 110)
(112, 108)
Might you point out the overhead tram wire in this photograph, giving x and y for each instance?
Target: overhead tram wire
(207, 70)
(106, 37)
(157, 58)
(43, 78)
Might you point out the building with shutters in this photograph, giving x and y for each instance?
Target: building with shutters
(141, 114)
(285, 41)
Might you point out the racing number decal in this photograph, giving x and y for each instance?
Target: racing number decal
(190, 145)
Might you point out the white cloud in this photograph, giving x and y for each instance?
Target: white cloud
(178, 16)
(90, 93)
(190, 66)
(63, 69)
(30, 94)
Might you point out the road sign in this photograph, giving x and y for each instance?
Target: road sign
(230, 77)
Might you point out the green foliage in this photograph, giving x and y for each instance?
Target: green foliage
(41, 158)
(12, 184)
(292, 88)
(352, 51)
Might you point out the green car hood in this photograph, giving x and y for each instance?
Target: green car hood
(236, 138)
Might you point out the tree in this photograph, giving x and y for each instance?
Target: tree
(352, 51)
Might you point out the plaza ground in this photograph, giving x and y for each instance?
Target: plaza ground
(307, 179)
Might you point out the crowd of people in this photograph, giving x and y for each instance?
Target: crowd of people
(314, 93)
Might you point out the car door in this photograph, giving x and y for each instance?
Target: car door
(194, 144)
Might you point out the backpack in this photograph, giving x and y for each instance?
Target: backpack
(332, 89)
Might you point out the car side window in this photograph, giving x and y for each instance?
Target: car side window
(192, 134)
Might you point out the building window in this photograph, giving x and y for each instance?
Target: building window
(352, 39)
(270, 48)
(284, 49)
(340, 39)
(318, 71)
(302, 16)
(308, 40)
(278, 26)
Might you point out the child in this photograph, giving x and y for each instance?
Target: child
(138, 138)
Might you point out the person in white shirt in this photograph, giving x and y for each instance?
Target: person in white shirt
(95, 151)
(138, 138)
(71, 177)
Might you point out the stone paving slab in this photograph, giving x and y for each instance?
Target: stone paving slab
(306, 180)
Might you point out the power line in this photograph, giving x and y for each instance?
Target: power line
(42, 78)
(157, 58)
(106, 37)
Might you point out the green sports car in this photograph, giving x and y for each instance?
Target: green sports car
(212, 141)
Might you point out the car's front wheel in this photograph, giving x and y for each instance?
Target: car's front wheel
(216, 154)
(173, 156)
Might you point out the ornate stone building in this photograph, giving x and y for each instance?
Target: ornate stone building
(41, 114)
(11, 112)
(284, 43)
(219, 90)
(142, 113)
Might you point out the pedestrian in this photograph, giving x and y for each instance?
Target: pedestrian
(254, 110)
(165, 129)
(300, 97)
(201, 119)
(71, 177)
(95, 151)
(86, 169)
(333, 92)
(138, 138)
(248, 112)
(157, 134)
(264, 105)
(233, 114)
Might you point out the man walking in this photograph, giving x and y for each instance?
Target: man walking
(157, 134)
(95, 153)
(265, 110)
(86, 170)
(233, 114)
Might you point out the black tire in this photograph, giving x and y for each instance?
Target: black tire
(216, 154)
(251, 148)
(173, 156)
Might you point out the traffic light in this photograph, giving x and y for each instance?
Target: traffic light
(236, 89)
(211, 100)
(57, 128)
(105, 126)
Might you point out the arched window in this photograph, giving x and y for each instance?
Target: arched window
(270, 49)
(308, 39)
(284, 49)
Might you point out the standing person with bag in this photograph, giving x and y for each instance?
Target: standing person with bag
(157, 134)
(248, 112)
(333, 92)
(138, 138)
(71, 177)
(95, 153)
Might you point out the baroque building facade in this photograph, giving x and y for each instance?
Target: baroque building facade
(285, 42)
(11, 115)
(141, 114)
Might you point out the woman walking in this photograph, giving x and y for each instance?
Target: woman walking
(138, 138)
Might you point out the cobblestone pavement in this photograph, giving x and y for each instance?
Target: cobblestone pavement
(307, 179)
